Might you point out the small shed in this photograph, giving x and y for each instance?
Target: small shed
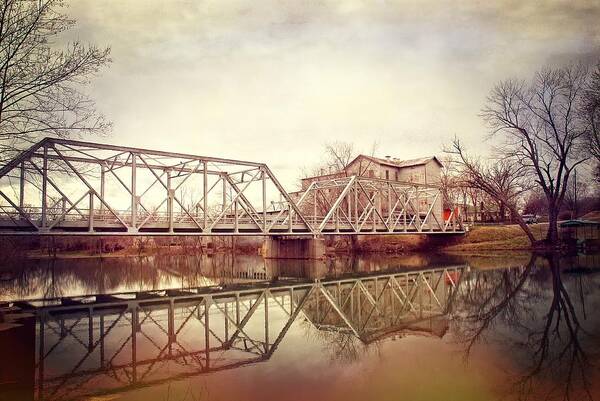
(580, 230)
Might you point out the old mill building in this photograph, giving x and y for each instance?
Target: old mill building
(425, 170)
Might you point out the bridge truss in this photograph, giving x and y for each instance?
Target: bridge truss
(110, 343)
(66, 187)
(369, 205)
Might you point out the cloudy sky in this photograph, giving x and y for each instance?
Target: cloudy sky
(274, 81)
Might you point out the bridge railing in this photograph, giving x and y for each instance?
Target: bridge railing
(60, 186)
(371, 204)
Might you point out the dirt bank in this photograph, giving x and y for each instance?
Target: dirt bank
(386, 244)
(76, 247)
(481, 238)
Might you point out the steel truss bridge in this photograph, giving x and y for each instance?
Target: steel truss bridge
(111, 343)
(66, 187)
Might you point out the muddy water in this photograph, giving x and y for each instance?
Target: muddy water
(417, 327)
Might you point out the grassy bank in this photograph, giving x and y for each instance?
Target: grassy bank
(488, 238)
(478, 239)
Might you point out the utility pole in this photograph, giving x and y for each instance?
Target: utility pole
(575, 194)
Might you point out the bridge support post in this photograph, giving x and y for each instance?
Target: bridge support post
(134, 198)
(102, 186)
(22, 188)
(293, 248)
(91, 212)
(170, 196)
(44, 189)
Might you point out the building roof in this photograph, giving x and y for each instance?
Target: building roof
(399, 163)
(325, 175)
(388, 162)
(579, 223)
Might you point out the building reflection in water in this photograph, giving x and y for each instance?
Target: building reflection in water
(99, 344)
(145, 321)
(67, 277)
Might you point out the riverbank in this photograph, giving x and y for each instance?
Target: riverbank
(162, 250)
(82, 247)
(495, 238)
(504, 237)
(477, 239)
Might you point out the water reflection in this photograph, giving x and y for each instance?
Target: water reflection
(114, 326)
(547, 318)
(68, 277)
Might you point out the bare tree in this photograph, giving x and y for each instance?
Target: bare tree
(456, 193)
(502, 180)
(452, 189)
(40, 84)
(558, 344)
(339, 155)
(364, 164)
(449, 184)
(541, 128)
(474, 195)
(591, 111)
(535, 203)
(577, 191)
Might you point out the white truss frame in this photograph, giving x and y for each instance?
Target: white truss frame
(235, 197)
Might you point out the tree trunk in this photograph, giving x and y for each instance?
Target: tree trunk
(526, 229)
(552, 234)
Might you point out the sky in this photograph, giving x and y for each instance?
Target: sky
(274, 81)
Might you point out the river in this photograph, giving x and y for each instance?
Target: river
(224, 327)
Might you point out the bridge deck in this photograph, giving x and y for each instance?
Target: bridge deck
(61, 187)
(244, 228)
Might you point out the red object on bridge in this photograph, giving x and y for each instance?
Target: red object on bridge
(447, 213)
(452, 277)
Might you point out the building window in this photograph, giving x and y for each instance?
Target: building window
(397, 175)
(387, 174)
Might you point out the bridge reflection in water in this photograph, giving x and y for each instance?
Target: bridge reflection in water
(111, 343)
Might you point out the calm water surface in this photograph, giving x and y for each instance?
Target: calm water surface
(418, 327)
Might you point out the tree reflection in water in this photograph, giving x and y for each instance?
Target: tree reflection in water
(555, 340)
(341, 346)
(542, 317)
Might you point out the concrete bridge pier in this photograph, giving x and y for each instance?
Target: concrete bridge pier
(286, 247)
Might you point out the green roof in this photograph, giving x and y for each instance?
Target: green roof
(579, 223)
